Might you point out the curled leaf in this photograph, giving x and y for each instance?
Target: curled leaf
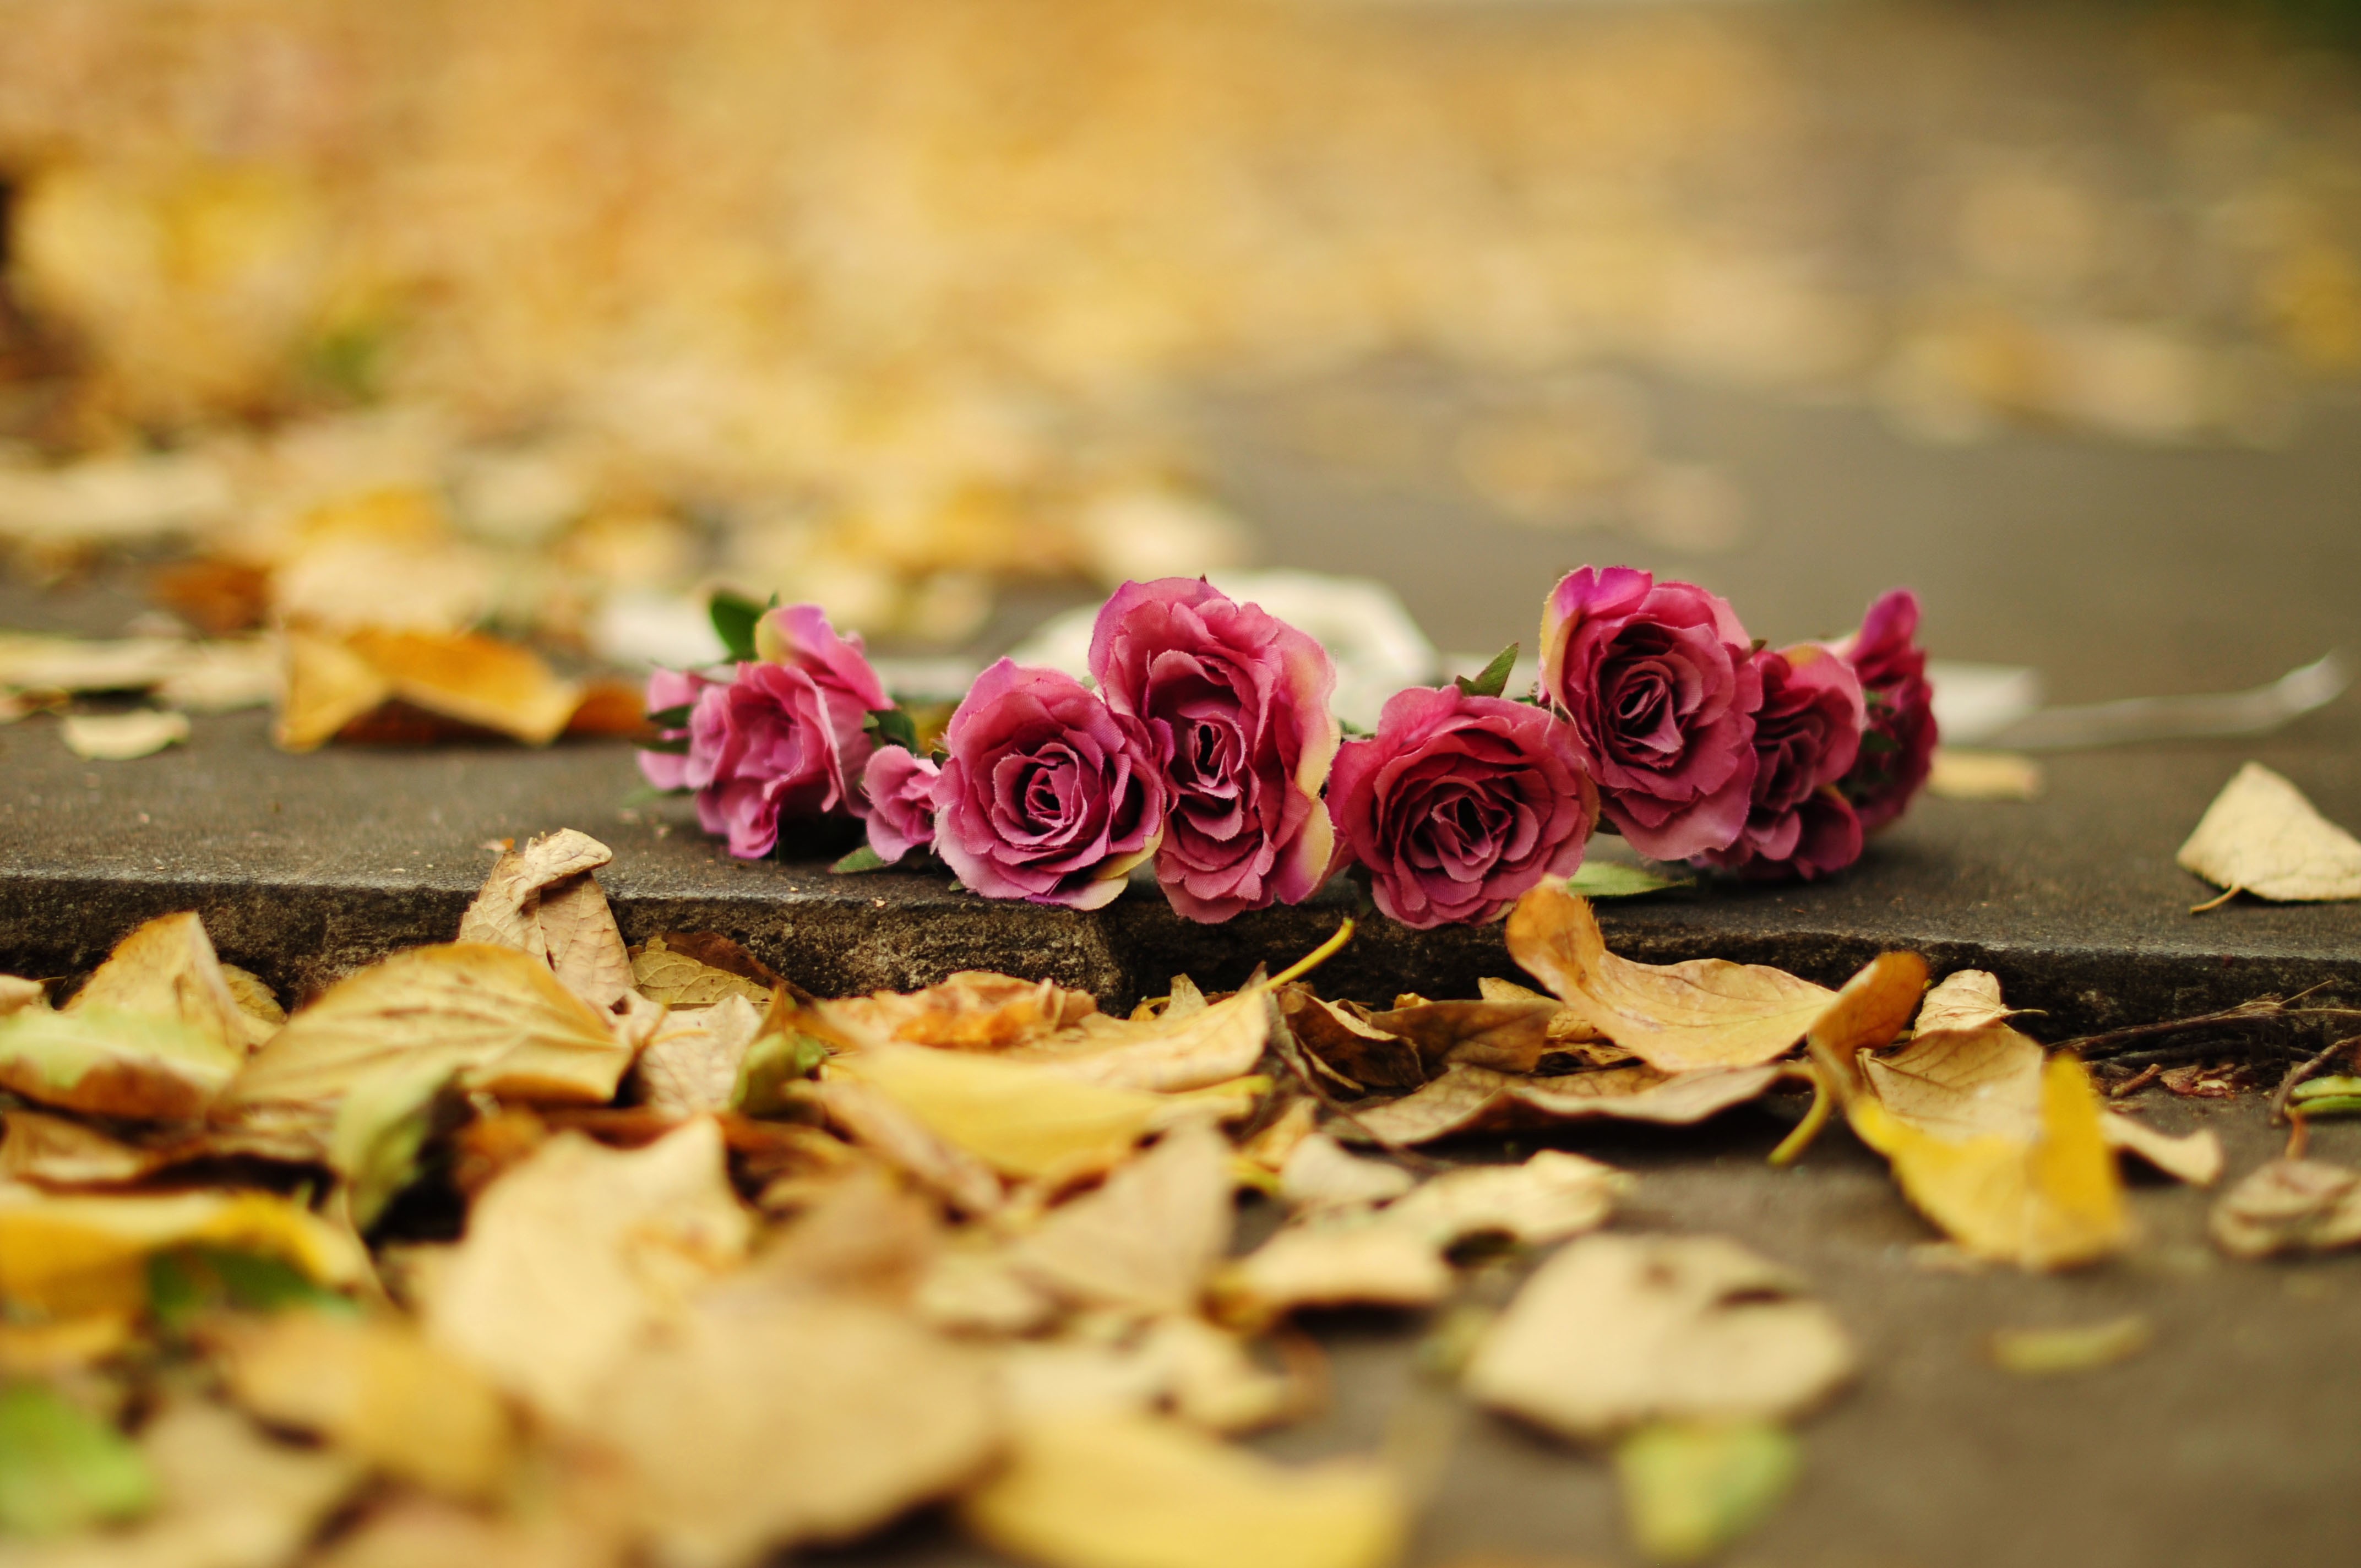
(106, 1063)
(1024, 1119)
(1147, 1238)
(2290, 1205)
(1469, 1099)
(543, 900)
(167, 969)
(2261, 836)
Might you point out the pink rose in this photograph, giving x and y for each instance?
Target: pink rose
(1807, 734)
(1460, 804)
(1657, 682)
(1899, 747)
(668, 689)
(1235, 703)
(799, 637)
(900, 788)
(1048, 792)
(759, 748)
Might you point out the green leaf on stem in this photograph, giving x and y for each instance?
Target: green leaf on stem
(734, 615)
(1493, 678)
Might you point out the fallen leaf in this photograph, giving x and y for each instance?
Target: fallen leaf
(19, 993)
(256, 1000)
(414, 1530)
(63, 1469)
(2039, 1353)
(1964, 999)
(2194, 1157)
(1692, 1488)
(2218, 1080)
(497, 1016)
(1318, 1173)
(1550, 1197)
(121, 737)
(68, 1346)
(377, 1390)
(1180, 1049)
(1616, 1330)
(1508, 1036)
(114, 1064)
(678, 971)
(811, 1420)
(543, 900)
(2290, 1205)
(1139, 1491)
(1957, 774)
(32, 663)
(1358, 1052)
(971, 1010)
(1468, 1099)
(326, 685)
(862, 1234)
(692, 1064)
(572, 1255)
(473, 678)
(1348, 1260)
(55, 1151)
(381, 1131)
(1023, 1119)
(890, 1130)
(1148, 1237)
(1701, 1013)
(72, 1253)
(2262, 837)
(167, 969)
(227, 1498)
(1959, 1084)
(973, 1289)
(221, 677)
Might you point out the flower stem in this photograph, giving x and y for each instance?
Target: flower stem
(1791, 1148)
(1316, 957)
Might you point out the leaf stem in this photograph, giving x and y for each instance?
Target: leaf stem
(1316, 957)
(1791, 1148)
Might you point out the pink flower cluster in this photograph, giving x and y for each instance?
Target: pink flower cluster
(1204, 745)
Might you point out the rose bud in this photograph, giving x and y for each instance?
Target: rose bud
(1460, 804)
(1898, 748)
(1657, 680)
(1235, 704)
(900, 788)
(1048, 794)
(1807, 734)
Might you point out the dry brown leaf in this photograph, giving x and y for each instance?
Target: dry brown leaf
(107, 1063)
(971, 1010)
(691, 1064)
(1113, 1491)
(1268, 1148)
(974, 1290)
(228, 1497)
(66, 1255)
(811, 1418)
(1201, 1374)
(1550, 1197)
(53, 1151)
(16, 992)
(1021, 1118)
(543, 900)
(1344, 1260)
(377, 1390)
(1965, 998)
(1469, 1099)
(472, 678)
(167, 969)
(326, 686)
(677, 971)
(2194, 1157)
(1702, 1013)
(413, 1531)
(256, 1000)
(122, 736)
(1181, 1050)
(1959, 1083)
(1358, 1052)
(572, 1255)
(32, 663)
(70, 1344)
(497, 1016)
(1509, 1036)
(1318, 1173)
(862, 1234)
(2261, 836)
(1147, 1238)
(886, 1128)
(2290, 1205)
(1616, 1331)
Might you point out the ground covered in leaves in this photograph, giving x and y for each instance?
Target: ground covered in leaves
(533, 1248)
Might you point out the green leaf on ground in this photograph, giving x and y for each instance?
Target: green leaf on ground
(1691, 1490)
(63, 1469)
(1612, 878)
(864, 858)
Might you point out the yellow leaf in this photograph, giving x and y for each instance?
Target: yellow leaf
(328, 687)
(1966, 999)
(1022, 1119)
(114, 1064)
(2194, 1157)
(1318, 1173)
(59, 1151)
(808, 1418)
(1616, 1330)
(1179, 1051)
(122, 736)
(971, 1010)
(69, 1254)
(1702, 1013)
(1468, 1098)
(1344, 1260)
(665, 973)
(1136, 1492)
(886, 1128)
(2261, 836)
(17, 993)
(167, 969)
(1550, 1197)
(497, 1016)
(2038, 1353)
(472, 678)
(571, 1256)
(378, 1390)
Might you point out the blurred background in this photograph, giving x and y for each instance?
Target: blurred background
(552, 316)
